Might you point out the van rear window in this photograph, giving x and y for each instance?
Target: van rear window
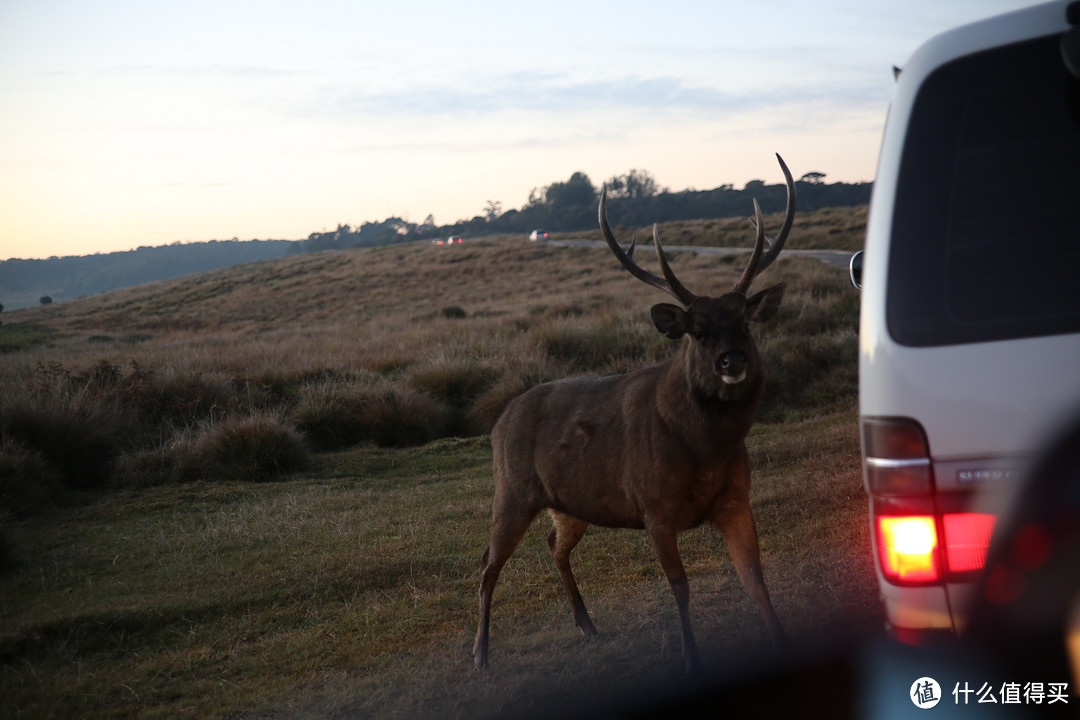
(986, 233)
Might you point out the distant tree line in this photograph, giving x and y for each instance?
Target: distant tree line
(389, 231)
(635, 198)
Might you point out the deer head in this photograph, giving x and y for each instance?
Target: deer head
(720, 357)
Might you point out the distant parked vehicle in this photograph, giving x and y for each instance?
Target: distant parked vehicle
(452, 240)
(538, 235)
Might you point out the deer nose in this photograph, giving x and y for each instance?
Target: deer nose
(732, 364)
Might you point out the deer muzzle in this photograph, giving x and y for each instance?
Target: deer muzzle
(732, 367)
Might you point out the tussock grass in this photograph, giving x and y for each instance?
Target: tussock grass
(152, 573)
(824, 229)
(401, 417)
(251, 448)
(77, 434)
(28, 482)
(456, 382)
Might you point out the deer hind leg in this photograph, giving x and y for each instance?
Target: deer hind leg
(508, 526)
(740, 534)
(562, 539)
(667, 551)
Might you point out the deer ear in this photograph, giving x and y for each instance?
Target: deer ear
(762, 306)
(670, 320)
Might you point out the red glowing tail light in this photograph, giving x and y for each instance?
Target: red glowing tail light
(923, 537)
(908, 548)
(967, 540)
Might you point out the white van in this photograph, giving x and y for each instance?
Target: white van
(969, 355)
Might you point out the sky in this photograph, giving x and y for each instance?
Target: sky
(126, 123)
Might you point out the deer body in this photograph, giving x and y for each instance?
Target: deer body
(589, 447)
(660, 449)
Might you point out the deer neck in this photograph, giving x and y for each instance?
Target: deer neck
(686, 403)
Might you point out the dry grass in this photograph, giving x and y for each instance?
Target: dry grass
(825, 229)
(151, 577)
(360, 349)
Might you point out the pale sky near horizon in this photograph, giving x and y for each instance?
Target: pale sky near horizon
(126, 123)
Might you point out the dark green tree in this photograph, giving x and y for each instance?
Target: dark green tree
(575, 192)
(635, 184)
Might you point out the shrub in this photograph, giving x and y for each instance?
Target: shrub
(572, 343)
(329, 415)
(27, 482)
(454, 312)
(252, 448)
(600, 344)
(187, 399)
(152, 398)
(807, 375)
(172, 463)
(402, 417)
(77, 435)
(456, 383)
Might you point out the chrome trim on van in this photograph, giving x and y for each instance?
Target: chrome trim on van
(890, 464)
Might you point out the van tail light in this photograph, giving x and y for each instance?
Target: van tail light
(908, 546)
(911, 551)
(967, 540)
(897, 457)
(922, 538)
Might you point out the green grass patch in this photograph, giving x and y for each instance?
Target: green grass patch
(23, 335)
(352, 590)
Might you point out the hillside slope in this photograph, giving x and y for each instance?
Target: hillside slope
(332, 286)
(24, 282)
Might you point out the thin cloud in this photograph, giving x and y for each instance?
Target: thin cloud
(562, 94)
(227, 70)
(472, 147)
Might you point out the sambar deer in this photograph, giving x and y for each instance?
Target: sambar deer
(660, 449)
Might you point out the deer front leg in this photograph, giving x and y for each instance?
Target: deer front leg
(667, 552)
(740, 534)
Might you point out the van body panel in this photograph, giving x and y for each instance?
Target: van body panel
(1029, 389)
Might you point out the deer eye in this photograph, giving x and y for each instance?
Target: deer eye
(746, 327)
(699, 335)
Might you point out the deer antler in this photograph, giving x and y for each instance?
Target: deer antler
(757, 262)
(669, 283)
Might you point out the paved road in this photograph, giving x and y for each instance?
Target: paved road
(839, 258)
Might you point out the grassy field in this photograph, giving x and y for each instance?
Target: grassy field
(264, 491)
